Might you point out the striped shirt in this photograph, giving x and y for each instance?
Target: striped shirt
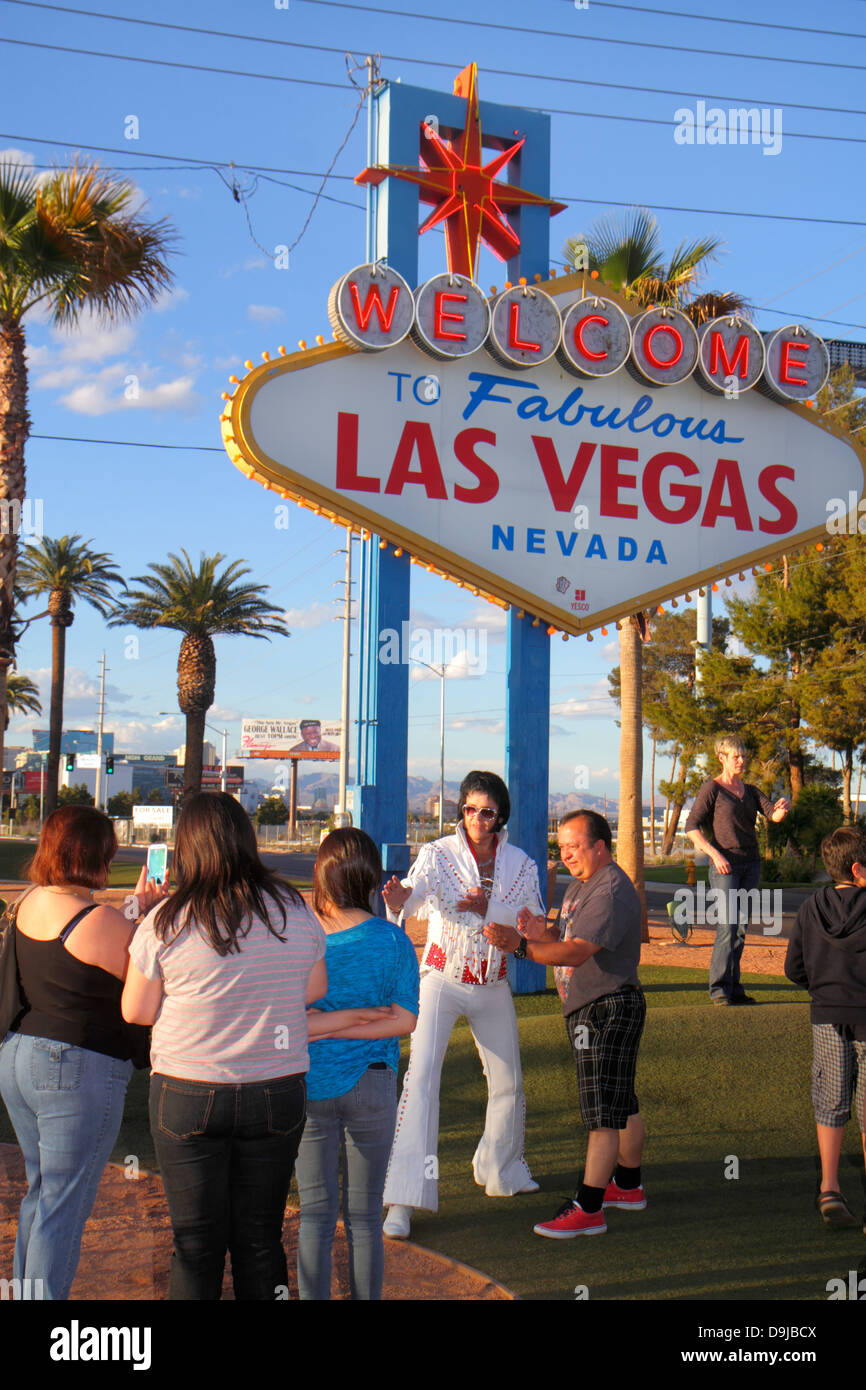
(235, 1018)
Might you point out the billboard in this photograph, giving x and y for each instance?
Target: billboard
(293, 738)
(74, 741)
(604, 478)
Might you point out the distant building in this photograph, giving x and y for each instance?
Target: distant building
(431, 807)
(73, 741)
(208, 755)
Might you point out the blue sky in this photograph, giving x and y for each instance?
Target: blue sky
(230, 303)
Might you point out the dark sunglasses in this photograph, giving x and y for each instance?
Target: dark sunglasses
(485, 813)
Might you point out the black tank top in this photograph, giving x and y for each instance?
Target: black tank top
(69, 1001)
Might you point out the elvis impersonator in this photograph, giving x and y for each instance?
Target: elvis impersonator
(459, 884)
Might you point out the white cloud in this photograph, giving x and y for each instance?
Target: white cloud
(483, 725)
(316, 615)
(91, 341)
(169, 299)
(225, 714)
(265, 313)
(96, 398)
(570, 708)
(58, 377)
(10, 155)
(80, 696)
(490, 616)
(610, 652)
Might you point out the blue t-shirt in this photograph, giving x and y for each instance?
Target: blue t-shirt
(371, 964)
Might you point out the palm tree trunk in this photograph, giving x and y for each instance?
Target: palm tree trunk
(629, 837)
(14, 430)
(55, 722)
(194, 753)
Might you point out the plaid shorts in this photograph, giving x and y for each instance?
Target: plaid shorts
(838, 1074)
(605, 1035)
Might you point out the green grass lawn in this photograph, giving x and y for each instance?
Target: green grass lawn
(721, 1090)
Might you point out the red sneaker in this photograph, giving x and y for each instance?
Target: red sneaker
(572, 1220)
(626, 1198)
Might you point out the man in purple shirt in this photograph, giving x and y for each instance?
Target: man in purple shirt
(594, 949)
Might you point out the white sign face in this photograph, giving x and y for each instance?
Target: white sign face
(301, 738)
(88, 760)
(153, 815)
(577, 501)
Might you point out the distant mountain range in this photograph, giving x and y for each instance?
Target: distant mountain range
(323, 788)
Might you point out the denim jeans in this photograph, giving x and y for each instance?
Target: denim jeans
(226, 1154)
(351, 1134)
(66, 1104)
(731, 929)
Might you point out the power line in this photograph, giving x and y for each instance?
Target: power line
(338, 86)
(167, 63)
(721, 19)
(584, 38)
(129, 443)
(450, 65)
(349, 178)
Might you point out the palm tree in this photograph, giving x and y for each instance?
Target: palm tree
(201, 604)
(65, 570)
(71, 242)
(22, 697)
(627, 254)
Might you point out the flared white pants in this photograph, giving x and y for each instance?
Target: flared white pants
(498, 1163)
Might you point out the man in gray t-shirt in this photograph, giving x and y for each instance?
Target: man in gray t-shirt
(594, 949)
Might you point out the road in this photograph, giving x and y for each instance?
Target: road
(299, 864)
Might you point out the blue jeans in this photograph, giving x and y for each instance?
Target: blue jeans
(66, 1104)
(351, 1134)
(226, 1154)
(731, 929)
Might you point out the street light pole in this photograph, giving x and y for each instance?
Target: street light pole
(97, 799)
(440, 672)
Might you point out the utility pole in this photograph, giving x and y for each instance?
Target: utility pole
(97, 799)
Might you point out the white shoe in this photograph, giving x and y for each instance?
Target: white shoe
(397, 1222)
(531, 1186)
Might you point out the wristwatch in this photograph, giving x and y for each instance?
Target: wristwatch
(520, 951)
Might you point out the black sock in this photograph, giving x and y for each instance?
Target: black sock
(590, 1198)
(626, 1178)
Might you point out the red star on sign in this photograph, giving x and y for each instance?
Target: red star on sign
(465, 193)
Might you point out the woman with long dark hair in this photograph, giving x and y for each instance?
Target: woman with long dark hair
(352, 1081)
(65, 1064)
(458, 884)
(224, 970)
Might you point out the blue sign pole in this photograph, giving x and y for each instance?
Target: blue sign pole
(397, 114)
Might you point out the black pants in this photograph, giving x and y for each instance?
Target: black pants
(226, 1154)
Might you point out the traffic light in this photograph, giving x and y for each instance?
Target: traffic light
(109, 764)
(70, 762)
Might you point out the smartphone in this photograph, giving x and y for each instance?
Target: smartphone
(157, 863)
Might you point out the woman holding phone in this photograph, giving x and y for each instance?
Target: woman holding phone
(224, 970)
(352, 1081)
(458, 884)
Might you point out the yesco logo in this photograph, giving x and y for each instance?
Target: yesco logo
(77, 1343)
